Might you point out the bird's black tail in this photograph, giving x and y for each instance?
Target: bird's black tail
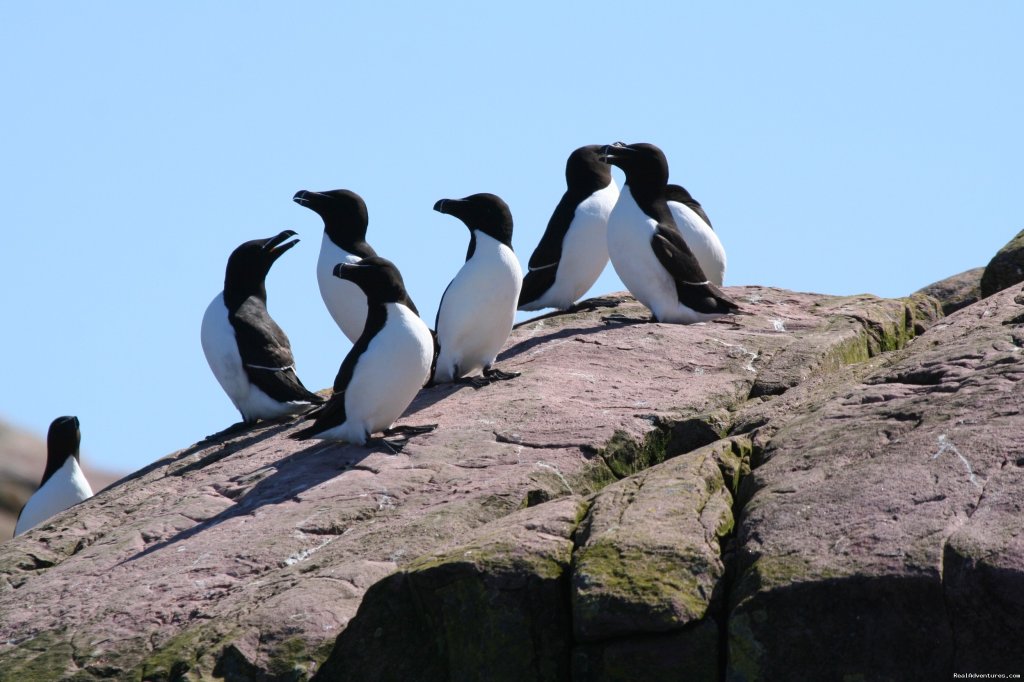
(433, 360)
(306, 433)
(535, 284)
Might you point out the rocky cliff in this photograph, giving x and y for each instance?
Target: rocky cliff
(828, 488)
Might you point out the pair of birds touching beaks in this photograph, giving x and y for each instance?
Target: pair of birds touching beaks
(395, 354)
(658, 237)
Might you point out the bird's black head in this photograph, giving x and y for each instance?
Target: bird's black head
(343, 212)
(679, 194)
(62, 441)
(249, 264)
(645, 165)
(378, 278)
(585, 171)
(484, 212)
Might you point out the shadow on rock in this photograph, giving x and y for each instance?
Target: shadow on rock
(249, 435)
(567, 332)
(291, 477)
(431, 395)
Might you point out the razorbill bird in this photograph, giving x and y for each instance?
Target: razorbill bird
(477, 309)
(63, 483)
(646, 248)
(695, 226)
(344, 241)
(386, 367)
(574, 249)
(248, 353)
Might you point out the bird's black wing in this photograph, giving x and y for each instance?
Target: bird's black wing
(329, 415)
(333, 413)
(547, 255)
(549, 250)
(267, 354)
(536, 283)
(692, 287)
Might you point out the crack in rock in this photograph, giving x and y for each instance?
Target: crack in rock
(516, 439)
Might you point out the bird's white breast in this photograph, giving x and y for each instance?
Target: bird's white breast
(478, 309)
(630, 231)
(221, 349)
(584, 251)
(702, 240)
(345, 301)
(389, 373)
(67, 486)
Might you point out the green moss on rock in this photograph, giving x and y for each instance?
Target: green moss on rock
(625, 456)
(44, 658)
(662, 589)
(291, 660)
(176, 657)
(745, 652)
(732, 456)
(494, 608)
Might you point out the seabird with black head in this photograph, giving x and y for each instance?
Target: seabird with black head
(574, 249)
(646, 247)
(387, 365)
(477, 309)
(64, 484)
(249, 354)
(345, 219)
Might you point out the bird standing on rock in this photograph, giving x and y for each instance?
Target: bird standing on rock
(386, 367)
(249, 354)
(478, 308)
(574, 249)
(646, 248)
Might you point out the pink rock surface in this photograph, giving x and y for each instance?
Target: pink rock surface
(251, 552)
(884, 516)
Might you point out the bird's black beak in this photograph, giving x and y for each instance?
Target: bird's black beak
(610, 152)
(276, 246)
(348, 270)
(452, 207)
(309, 199)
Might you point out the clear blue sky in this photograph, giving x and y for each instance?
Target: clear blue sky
(837, 148)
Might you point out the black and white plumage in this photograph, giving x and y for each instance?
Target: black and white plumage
(574, 249)
(387, 365)
(695, 227)
(345, 221)
(247, 351)
(478, 308)
(646, 248)
(63, 483)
